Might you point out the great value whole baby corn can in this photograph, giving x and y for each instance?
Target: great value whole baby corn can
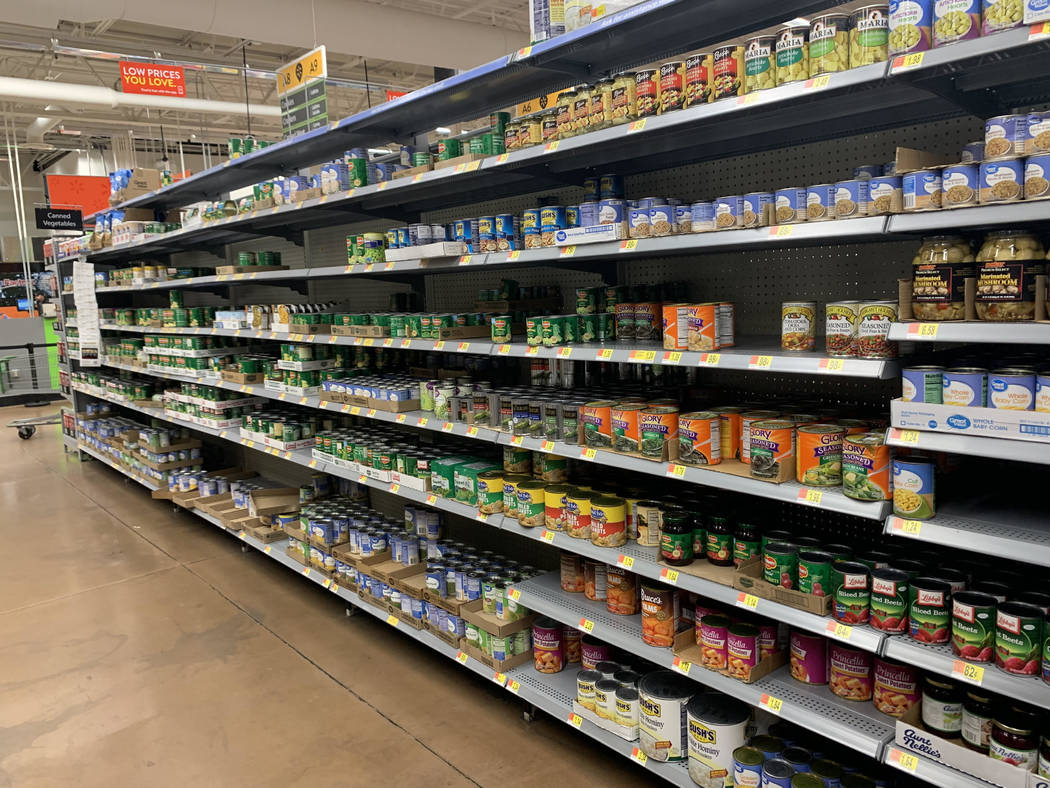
(819, 455)
(699, 438)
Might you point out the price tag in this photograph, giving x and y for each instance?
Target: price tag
(771, 703)
(1039, 31)
(473, 165)
(781, 230)
(502, 158)
(517, 440)
(642, 355)
(512, 256)
(465, 259)
(369, 268)
(362, 478)
(306, 572)
(710, 359)
(807, 495)
(439, 345)
(500, 678)
(568, 251)
(282, 395)
(395, 488)
(547, 536)
(904, 760)
(532, 351)
(564, 352)
(927, 330)
(464, 347)
(746, 600)
(669, 575)
(760, 362)
(629, 246)
(355, 411)
(750, 98)
(818, 82)
(672, 358)
(371, 413)
(503, 350)
(638, 125)
(625, 561)
(639, 756)
(837, 630)
(586, 625)
(327, 583)
(832, 364)
(604, 354)
(550, 147)
(588, 454)
(392, 620)
(417, 177)
(681, 665)
(400, 418)
(267, 549)
(513, 686)
(313, 463)
(382, 186)
(448, 426)
(482, 517)
(422, 422)
(406, 343)
(243, 536)
(333, 338)
(302, 400)
(676, 470)
(462, 657)
(575, 720)
(967, 672)
(548, 445)
(432, 499)
(907, 436)
(514, 594)
(905, 62)
(472, 432)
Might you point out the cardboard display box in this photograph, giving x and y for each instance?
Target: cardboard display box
(388, 406)
(309, 328)
(280, 500)
(452, 606)
(401, 615)
(625, 732)
(452, 640)
(1019, 425)
(414, 583)
(686, 648)
(242, 378)
(167, 466)
(361, 331)
(411, 172)
(466, 158)
(749, 579)
(226, 270)
(364, 594)
(500, 666)
(143, 181)
(431, 251)
(599, 233)
(473, 613)
(465, 332)
(266, 534)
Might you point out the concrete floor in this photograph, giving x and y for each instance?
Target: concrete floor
(141, 647)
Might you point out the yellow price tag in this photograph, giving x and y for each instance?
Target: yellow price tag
(313, 463)
(448, 426)
(967, 672)
(810, 496)
(382, 186)
(517, 440)
(482, 517)
(392, 620)
(747, 600)
(465, 259)
(432, 499)
(550, 147)
(462, 657)
(472, 432)
(439, 345)
(513, 686)
(673, 357)
(422, 421)
(369, 268)
(463, 347)
(645, 356)
(908, 436)
(629, 246)
(1039, 31)
(267, 549)
(771, 703)
(904, 760)
(369, 342)
(395, 488)
(575, 720)
(473, 165)
(547, 536)
(676, 470)
(837, 630)
(681, 665)
(500, 678)
(400, 419)
(511, 256)
(711, 359)
(639, 756)
(911, 527)
(355, 411)
(903, 63)
(282, 395)
(371, 413)
(548, 445)
(514, 594)
(243, 536)
(564, 352)
(417, 177)
(760, 362)
(605, 354)
(589, 454)
(638, 125)
(327, 583)
(502, 158)
(669, 575)
(586, 625)
(819, 82)
(625, 561)
(568, 251)
(306, 572)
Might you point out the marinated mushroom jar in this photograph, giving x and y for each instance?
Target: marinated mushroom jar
(939, 273)
(1008, 263)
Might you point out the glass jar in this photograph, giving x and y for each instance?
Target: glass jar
(978, 712)
(676, 538)
(1014, 741)
(566, 126)
(942, 707)
(624, 98)
(600, 115)
(531, 130)
(1008, 263)
(720, 540)
(939, 273)
(581, 109)
(549, 127)
(747, 543)
(510, 136)
(1043, 768)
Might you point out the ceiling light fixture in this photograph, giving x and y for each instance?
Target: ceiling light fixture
(442, 130)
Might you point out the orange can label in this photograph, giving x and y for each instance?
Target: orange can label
(699, 441)
(702, 335)
(819, 455)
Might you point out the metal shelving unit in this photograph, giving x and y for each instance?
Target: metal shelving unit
(995, 448)
(931, 771)
(857, 726)
(979, 332)
(1006, 533)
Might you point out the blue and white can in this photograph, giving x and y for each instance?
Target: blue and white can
(965, 387)
(852, 198)
(972, 151)
(589, 214)
(1042, 391)
(1011, 389)
(1037, 135)
(404, 238)
(702, 217)
(683, 218)
(885, 194)
(729, 212)
(612, 211)
(1005, 135)
(867, 171)
(662, 220)
(777, 773)
(921, 190)
(1037, 177)
(790, 205)
(922, 384)
(1001, 181)
(959, 184)
(820, 202)
(757, 209)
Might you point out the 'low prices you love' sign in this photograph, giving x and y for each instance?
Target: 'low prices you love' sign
(151, 79)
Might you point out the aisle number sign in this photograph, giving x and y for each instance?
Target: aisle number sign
(537, 104)
(301, 89)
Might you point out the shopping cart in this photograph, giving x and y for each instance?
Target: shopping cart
(27, 427)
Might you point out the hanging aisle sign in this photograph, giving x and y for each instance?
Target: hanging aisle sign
(301, 88)
(152, 80)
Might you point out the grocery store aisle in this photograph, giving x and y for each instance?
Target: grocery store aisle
(139, 646)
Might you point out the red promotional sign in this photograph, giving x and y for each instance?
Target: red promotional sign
(394, 94)
(152, 79)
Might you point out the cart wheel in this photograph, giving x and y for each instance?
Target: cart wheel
(25, 433)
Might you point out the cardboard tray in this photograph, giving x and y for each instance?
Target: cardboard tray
(452, 640)
(266, 534)
(472, 612)
(1026, 426)
(168, 466)
(308, 329)
(686, 648)
(414, 584)
(280, 500)
(361, 331)
(225, 270)
(448, 605)
(402, 406)
(500, 666)
(242, 378)
(397, 612)
(625, 732)
(748, 578)
(390, 570)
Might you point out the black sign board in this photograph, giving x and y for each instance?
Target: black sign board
(59, 219)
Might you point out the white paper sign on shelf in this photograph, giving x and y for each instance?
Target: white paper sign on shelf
(87, 314)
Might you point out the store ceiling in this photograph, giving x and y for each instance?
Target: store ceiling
(29, 52)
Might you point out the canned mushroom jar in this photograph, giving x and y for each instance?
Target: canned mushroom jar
(911, 25)
(955, 20)
(913, 488)
(716, 727)
(896, 687)
(1001, 181)
(1019, 634)
(662, 702)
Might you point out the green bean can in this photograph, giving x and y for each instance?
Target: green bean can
(398, 326)
(587, 300)
(814, 572)
(501, 328)
(889, 600)
(552, 331)
(534, 331)
(414, 326)
(572, 328)
(780, 564)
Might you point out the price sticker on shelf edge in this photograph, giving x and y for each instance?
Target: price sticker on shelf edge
(782, 231)
(465, 259)
(837, 630)
(681, 665)
(771, 703)
(832, 364)
(1041, 30)
(568, 251)
(586, 625)
(481, 517)
(605, 354)
(499, 678)
(673, 357)
(760, 362)
(548, 446)
(564, 352)
(575, 720)
(669, 575)
(547, 536)
(639, 756)
(532, 351)
(642, 355)
(629, 246)
(431, 500)
(625, 561)
(422, 421)
(809, 496)
(392, 620)
(472, 432)
(514, 594)
(462, 658)
(588, 454)
(517, 440)
(448, 426)
(504, 350)
(907, 436)
(905, 62)
(910, 527)
(675, 470)
(974, 674)
(818, 82)
(747, 600)
(927, 330)
(636, 126)
(513, 686)
(905, 760)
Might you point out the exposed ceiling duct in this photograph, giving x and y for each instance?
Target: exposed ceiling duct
(36, 130)
(69, 94)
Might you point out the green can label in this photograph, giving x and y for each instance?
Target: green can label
(501, 329)
(676, 547)
(929, 614)
(780, 568)
(973, 630)
(852, 597)
(719, 547)
(1018, 640)
(744, 550)
(699, 541)
(889, 604)
(814, 576)
(533, 331)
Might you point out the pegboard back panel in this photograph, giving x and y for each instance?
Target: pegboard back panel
(459, 290)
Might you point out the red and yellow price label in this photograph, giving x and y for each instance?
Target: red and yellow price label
(747, 600)
(669, 575)
(771, 703)
(586, 625)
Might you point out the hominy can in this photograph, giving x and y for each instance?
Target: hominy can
(716, 728)
(663, 698)
(747, 767)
